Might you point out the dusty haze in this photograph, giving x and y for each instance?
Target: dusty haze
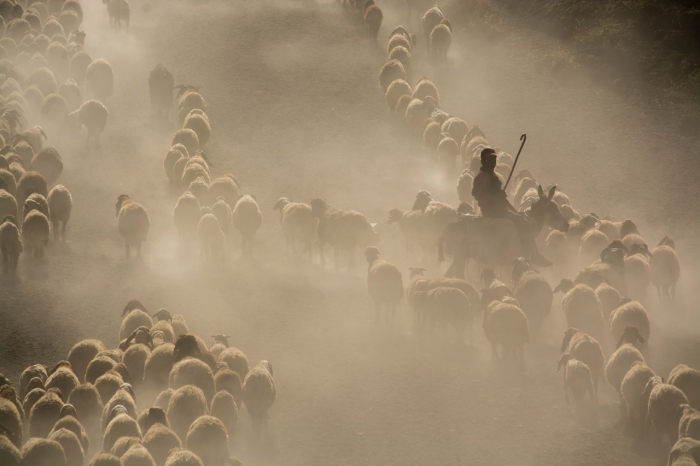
(296, 111)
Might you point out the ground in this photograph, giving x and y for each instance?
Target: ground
(296, 111)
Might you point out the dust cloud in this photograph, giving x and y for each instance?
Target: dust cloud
(296, 111)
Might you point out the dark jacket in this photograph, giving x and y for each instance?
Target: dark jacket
(487, 191)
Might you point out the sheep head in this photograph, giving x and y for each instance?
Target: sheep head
(614, 257)
(395, 216)
(68, 410)
(266, 365)
(642, 249)
(628, 227)
(133, 304)
(318, 207)
(423, 198)
(630, 335)
(667, 241)
(186, 346)
(281, 204)
(155, 415)
(488, 275)
(163, 314)
(371, 254)
(122, 200)
(565, 285)
(220, 338)
(564, 359)
(653, 381)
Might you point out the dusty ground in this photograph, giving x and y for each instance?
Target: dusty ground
(296, 111)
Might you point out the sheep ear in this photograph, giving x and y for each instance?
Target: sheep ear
(557, 289)
(540, 191)
(562, 360)
(641, 339)
(622, 338)
(551, 193)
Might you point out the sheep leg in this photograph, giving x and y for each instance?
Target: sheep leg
(55, 230)
(623, 408)
(63, 231)
(566, 392)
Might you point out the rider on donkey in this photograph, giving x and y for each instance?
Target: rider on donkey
(493, 203)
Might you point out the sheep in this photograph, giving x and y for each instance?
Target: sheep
(495, 288)
(220, 344)
(225, 408)
(54, 111)
(582, 308)
(11, 245)
(135, 360)
(44, 414)
(411, 225)
(578, 379)
(37, 370)
(44, 79)
(418, 111)
(71, 92)
(71, 423)
(99, 79)
(664, 401)
(48, 163)
(79, 63)
(446, 305)
(637, 270)
(373, 19)
(343, 230)
(665, 269)
(189, 100)
(440, 40)
(123, 397)
(159, 440)
(211, 237)
(185, 405)
(9, 453)
(165, 328)
(395, 90)
(183, 458)
(160, 88)
(399, 40)
(82, 353)
(191, 172)
(105, 459)
(60, 207)
(609, 299)
(133, 224)
(71, 446)
(186, 216)
(31, 398)
(532, 291)
(685, 452)
(586, 349)
(432, 134)
(401, 107)
(123, 444)
(11, 419)
(36, 201)
(35, 233)
(259, 394)
(384, 284)
(447, 151)
(9, 182)
(137, 455)
(226, 187)
(620, 362)
(390, 72)
(247, 218)
(120, 426)
(158, 365)
(88, 404)
(688, 380)
(505, 325)
(688, 422)
(430, 19)
(207, 438)
(632, 391)
(43, 452)
(172, 158)
(298, 224)
(229, 380)
(592, 243)
(630, 314)
(191, 371)
(403, 55)
(93, 115)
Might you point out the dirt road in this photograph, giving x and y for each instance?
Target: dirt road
(296, 111)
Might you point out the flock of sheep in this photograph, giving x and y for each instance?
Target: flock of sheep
(91, 396)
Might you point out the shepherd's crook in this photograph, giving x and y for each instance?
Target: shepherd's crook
(522, 138)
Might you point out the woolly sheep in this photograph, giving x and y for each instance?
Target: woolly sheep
(298, 224)
(43, 452)
(166, 329)
(37, 370)
(184, 407)
(534, 294)
(163, 398)
(411, 225)
(247, 218)
(158, 365)
(620, 363)
(417, 112)
(447, 306)
(609, 299)
(582, 308)
(190, 100)
(430, 19)
(58, 59)
(159, 440)
(71, 92)
(60, 207)
(373, 19)
(135, 360)
(226, 187)
(395, 90)
(398, 40)
(259, 394)
(137, 455)
(686, 452)
(211, 238)
(54, 112)
(186, 216)
(88, 404)
(133, 224)
(688, 422)
(225, 408)
(31, 398)
(665, 270)
(630, 314)
(108, 384)
(391, 71)
(401, 107)
(403, 55)
(192, 371)
(577, 378)
(384, 284)
(45, 80)
(93, 115)
(632, 391)
(447, 151)
(9, 454)
(123, 444)
(505, 325)
(688, 380)
(638, 271)
(36, 201)
(105, 459)
(440, 40)
(8, 181)
(99, 79)
(229, 380)
(664, 401)
(424, 89)
(592, 243)
(44, 414)
(123, 397)
(48, 163)
(82, 353)
(122, 425)
(207, 438)
(198, 122)
(35, 233)
(191, 172)
(183, 458)
(11, 419)
(586, 349)
(11, 245)
(79, 64)
(71, 446)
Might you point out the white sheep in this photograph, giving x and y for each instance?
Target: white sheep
(184, 407)
(54, 112)
(259, 394)
(688, 380)
(211, 238)
(159, 440)
(225, 186)
(122, 425)
(48, 162)
(396, 89)
(60, 207)
(99, 79)
(390, 72)
(418, 112)
(430, 19)
(191, 371)
(186, 216)
(665, 269)
(410, 223)
(35, 233)
(620, 362)
(223, 213)
(198, 122)
(384, 284)
(424, 89)
(133, 224)
(689, 423)
(71, 92)
(93, 115)
(75, 456)
(298, 224)
(188, 138)
(403, 55)
(246, 218)
(190, 100)
(685, 452)
(224, 408)
(11, 245)
(208, 439)
(44, 414)
(632, 390)
(42, 451)
(638, 271)
(609, 299)
(586, 349)
(432, 135)
(505, 325)
(664, 401)
(440, 40)
(532, 291)
(578, 379)
(373, 19)
(582, 308)
(630, 314)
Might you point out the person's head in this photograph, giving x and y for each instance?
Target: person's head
(488, 158)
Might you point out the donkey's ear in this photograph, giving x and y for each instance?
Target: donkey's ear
(540, 191)
(551, 192)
